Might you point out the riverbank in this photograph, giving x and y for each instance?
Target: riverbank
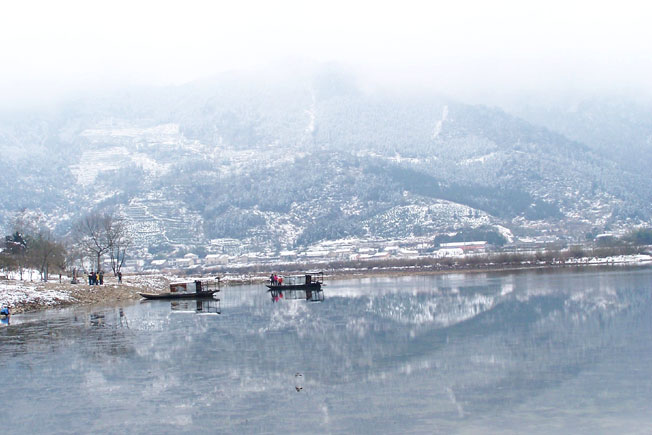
(23, 296)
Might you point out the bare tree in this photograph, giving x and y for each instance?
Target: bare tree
(32, 244)
(45, 251)
(26, 223)
(76, 259)
(7, 261)
(16, 247)
(102, 233)
(90, 233)
(119, 241)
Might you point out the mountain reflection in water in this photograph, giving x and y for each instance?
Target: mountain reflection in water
(535, 352)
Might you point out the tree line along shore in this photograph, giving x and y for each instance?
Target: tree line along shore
(32, 247)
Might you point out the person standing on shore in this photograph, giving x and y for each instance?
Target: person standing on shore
(5, 315)
(119, 277)
(101, 277)
(91, 274)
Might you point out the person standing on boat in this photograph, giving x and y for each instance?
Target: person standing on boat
(271, 279)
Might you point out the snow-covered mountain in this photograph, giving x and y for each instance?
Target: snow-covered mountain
(290, 161)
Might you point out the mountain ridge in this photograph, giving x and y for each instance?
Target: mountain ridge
(281, 166)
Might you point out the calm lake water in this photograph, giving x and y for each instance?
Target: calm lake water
(530, 352)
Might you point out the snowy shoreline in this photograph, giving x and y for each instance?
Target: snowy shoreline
(23, 296)
(610, 262)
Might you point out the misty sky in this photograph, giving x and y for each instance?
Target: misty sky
(52, 47)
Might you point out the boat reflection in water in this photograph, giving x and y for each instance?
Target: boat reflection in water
(196, 306)
(307, 294)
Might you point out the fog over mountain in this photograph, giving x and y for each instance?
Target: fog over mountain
(280, 161)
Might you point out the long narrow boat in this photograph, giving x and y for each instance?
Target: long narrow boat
(281, 287)
(188, 295)
(187, 290)
(308, 281)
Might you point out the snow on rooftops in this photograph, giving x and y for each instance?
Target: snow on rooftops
(288, 253)
(464, 245)
(215, 259)
(317, 253)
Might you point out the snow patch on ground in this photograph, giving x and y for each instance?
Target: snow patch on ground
(310, 129)
(616, 259)
(440, 123)
(506, 233)
(400, 159)
(159, 131)
(94, 162)
(24, 293)
(481, 159)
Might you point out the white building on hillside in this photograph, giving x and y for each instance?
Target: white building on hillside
(216, 259)
(183, 262)
(193, 258)
(449, 252)
(466, 246)
(159, 263)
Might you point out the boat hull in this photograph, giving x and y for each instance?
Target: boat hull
(195, 295)
(314, 287)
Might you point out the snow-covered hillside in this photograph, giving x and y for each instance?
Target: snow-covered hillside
(277, 167)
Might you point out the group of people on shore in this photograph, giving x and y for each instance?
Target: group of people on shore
(95, 278)
(275, 279)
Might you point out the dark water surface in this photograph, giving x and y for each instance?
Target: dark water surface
(563, 352)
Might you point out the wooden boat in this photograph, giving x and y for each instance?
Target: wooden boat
(187, 295)
(187, 290)
(307, 281)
